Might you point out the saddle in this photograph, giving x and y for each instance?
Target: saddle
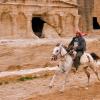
(76, 59)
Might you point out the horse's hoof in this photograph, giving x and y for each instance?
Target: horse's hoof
(50, 87)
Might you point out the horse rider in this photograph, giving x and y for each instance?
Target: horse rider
(77, 44)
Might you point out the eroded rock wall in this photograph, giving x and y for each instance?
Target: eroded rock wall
(16, 18)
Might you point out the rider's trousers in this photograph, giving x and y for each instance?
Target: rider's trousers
(77, 59)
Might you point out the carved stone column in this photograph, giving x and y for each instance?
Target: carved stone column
(30, 33)
(77, 22)
(62, 24)
(0, 27)
(15, 32)
(64, 31)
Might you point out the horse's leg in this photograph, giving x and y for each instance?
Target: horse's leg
(65, 79)
(64, 83)
(87, 73)
(53, 79)
(95, 71)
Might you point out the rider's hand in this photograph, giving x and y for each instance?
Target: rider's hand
(74, 48)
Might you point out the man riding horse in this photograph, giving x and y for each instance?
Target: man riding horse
(77, 44)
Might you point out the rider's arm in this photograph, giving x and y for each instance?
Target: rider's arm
(82, 46)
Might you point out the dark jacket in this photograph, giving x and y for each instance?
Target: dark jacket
(80, 42)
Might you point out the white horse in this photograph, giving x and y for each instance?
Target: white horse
(66, 63)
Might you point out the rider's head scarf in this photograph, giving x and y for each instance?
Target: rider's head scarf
(80, 33)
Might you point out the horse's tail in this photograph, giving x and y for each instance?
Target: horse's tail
(95, 56)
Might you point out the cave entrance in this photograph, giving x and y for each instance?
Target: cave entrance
(95, 23)
(37, 26)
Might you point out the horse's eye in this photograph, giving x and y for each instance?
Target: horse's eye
(57, 50)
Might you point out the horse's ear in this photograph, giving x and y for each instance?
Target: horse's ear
(61, 44)
(58, 44)
(65, 47)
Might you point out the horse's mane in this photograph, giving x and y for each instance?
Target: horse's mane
(65, 47)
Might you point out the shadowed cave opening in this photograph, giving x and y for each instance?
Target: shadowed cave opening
(96, 25)
(37, 26)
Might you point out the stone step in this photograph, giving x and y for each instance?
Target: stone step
(10, 76)
(38, 42)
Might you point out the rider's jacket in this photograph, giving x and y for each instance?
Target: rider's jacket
(78, 43)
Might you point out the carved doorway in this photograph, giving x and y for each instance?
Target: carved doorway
(37, 26)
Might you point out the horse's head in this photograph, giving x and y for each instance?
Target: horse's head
(59, 50)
